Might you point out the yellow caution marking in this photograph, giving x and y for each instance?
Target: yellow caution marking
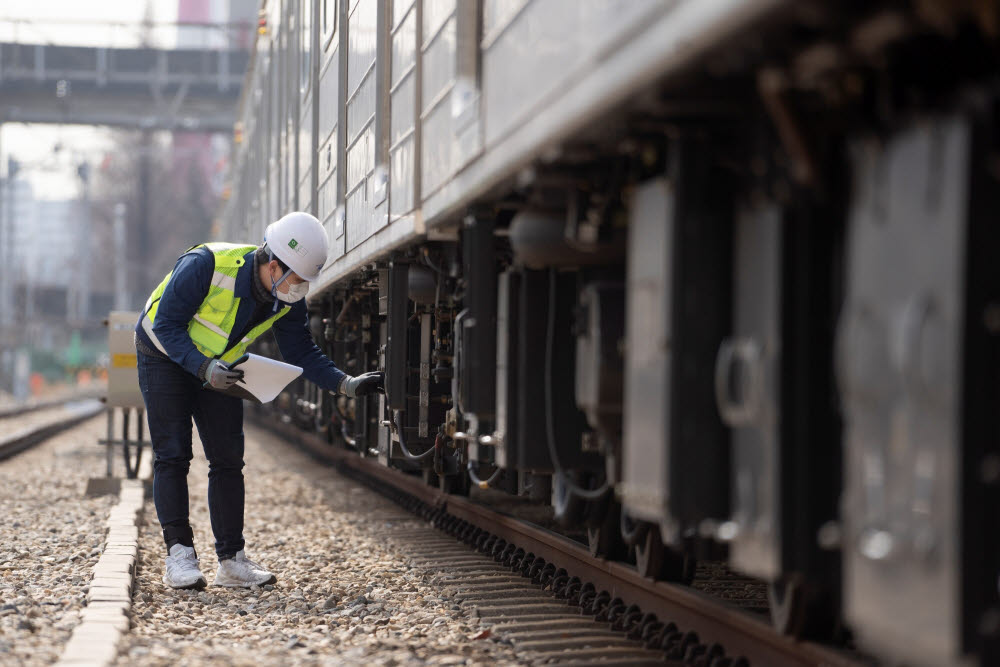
(123, 361)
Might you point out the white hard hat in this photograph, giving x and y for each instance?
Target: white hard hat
(298, 240)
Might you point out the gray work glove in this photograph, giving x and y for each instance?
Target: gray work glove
(363, 385)
(218, 375)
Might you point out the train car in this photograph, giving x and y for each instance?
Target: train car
(701, 279)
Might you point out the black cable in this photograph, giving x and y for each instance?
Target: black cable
(550, 434)
(402, 443)
(437, 300)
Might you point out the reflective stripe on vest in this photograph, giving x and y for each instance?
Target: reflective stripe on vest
(213, 323)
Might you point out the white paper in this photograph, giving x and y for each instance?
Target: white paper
(264, 378)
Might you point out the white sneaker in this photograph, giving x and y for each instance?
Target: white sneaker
(241, 572)
(181, 569)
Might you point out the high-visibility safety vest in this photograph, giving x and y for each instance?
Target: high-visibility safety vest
(212, 324)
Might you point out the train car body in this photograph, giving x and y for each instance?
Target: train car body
(707, 279)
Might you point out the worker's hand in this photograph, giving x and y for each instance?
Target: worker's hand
(218, 375)
(363, 385)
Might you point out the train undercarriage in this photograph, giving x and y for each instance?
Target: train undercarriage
(751, 316)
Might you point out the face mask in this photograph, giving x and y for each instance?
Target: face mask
(295, 293)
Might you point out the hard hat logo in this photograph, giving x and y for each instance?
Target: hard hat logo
(298, 248)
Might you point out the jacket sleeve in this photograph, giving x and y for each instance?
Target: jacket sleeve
(179, 302)
(298, 347)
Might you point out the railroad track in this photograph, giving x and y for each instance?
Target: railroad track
(15, 437)
(549, 596)
(18, 409)
(540, 624)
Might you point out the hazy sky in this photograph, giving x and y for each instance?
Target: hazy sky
(75, 22)
(53, 175)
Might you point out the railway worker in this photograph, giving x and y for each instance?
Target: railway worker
(203, 315)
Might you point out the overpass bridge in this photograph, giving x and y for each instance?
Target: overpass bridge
(138, 88)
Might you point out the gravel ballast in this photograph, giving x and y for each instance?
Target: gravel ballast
(344, 595)
(50, 539)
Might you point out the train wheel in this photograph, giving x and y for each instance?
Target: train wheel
(655, 560)
(604, 535)
(801, 610)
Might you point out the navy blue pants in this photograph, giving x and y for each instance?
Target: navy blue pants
(173, 396)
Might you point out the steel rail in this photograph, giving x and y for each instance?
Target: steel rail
(712, 619)
(18, 409)
(17, 442)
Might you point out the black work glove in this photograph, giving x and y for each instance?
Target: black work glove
(219, 376)
(363, 385)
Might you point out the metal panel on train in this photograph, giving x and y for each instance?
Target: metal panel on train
(403, 109)
(508, 306)
(748, 391)
(288, 87)
(438, 43)
(531, 49)
(362, 31)
(647, 358)
(328, 141)
(304, 86)
(900, 368)
(676, 449)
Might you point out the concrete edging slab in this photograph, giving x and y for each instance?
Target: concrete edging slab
(105, 618)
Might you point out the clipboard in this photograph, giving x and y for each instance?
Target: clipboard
(263, 379)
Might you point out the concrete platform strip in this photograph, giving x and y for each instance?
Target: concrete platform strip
(105, 619)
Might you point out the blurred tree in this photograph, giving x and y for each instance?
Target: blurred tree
(169, 207)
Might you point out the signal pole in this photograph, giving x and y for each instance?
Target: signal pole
(121, 258)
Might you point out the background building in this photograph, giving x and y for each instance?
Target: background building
(80, 243)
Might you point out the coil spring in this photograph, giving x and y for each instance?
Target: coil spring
(582, 596)
(599, 603)
(502, 555)
(558, 580)
(498, 546)
(624, 621)
(546, 575)
(535, 570)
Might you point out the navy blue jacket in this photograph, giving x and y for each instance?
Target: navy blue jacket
(186, 291)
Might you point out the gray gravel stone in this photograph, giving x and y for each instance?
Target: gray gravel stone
(344, 595)
(50, 539)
